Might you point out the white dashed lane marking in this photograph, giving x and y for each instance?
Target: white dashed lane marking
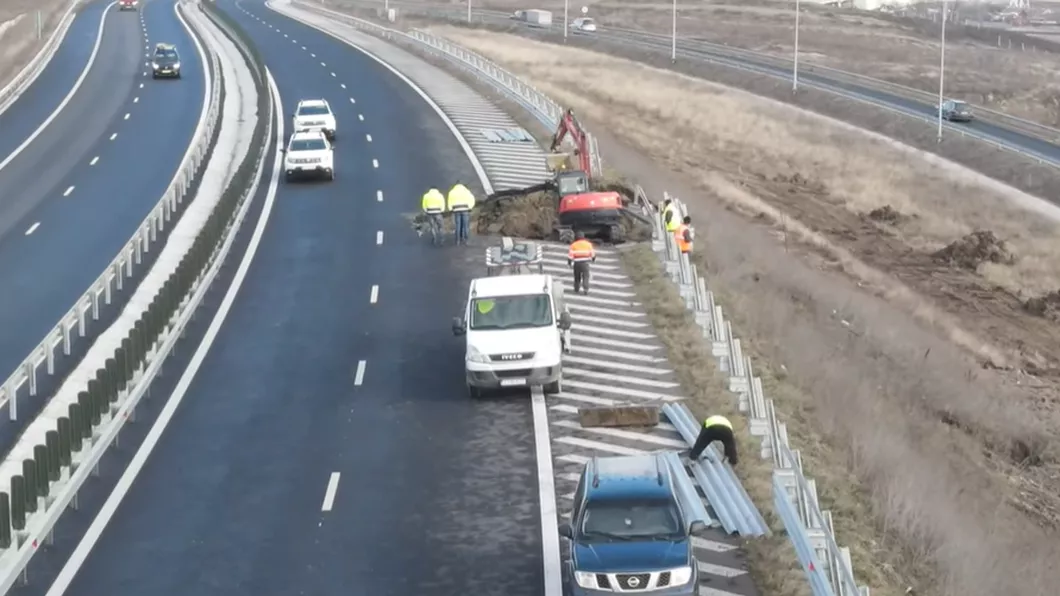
(375, 163)
(113, 136)
(375, 295)
(368, 138)
(94, 161)
(68, 191)
(379, 237)
(358, 377)
(33, 228)
(127, 116)
(330, 492)
(379, 198)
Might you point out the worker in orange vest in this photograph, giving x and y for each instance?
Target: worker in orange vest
(684, 235)
(579, 255)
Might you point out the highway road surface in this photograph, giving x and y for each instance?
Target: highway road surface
(72, 196)
(690, 48)
(327, 444)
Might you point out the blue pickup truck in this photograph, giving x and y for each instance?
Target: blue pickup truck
(628, 532)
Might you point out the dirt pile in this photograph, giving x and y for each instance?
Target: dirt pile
(1047, 305)
(972, 250)
(534, 215)
(886, 215)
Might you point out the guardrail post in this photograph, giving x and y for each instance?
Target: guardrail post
(95, 305)
(65, 440)
(5, 520)
(30, 369)
(40, 457)
(18, 503)
(119, 277)
(51, 444)
(66, 338)
(80, 319)
(49, 355)
(29, 472)
(94, 409)
(79, 422)
(129, 252)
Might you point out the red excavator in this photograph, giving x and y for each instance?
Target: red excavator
(580, 209)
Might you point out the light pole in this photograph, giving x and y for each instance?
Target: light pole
(942, 70)
(795, 59)
(469, 11)
(566, 25)
(673, 36)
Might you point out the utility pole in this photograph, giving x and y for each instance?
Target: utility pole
(942, 70)
(795, 58)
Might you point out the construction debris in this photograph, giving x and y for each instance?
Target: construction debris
(619, 416)
(974, 249)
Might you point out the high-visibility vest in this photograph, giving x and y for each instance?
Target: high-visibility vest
(673, 221)
(717, 421)
(679, 235)
(581, 250)
(461, 199)
(433, 201)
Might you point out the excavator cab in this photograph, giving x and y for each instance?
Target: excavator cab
(571, 182)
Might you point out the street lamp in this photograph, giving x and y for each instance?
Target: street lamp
(795, 59)
(942, 70)
(566, 25)
(673, 37)
(469, 11)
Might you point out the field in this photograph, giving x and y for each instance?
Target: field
(953, 458)
(18, 41)
(1019, 80)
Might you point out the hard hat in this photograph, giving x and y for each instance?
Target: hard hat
(580, 235)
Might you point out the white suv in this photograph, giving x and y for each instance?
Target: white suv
(309, 155)
(314, 114)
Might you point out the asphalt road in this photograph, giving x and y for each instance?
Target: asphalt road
(72, 198)
(698, 49)
(436, 494)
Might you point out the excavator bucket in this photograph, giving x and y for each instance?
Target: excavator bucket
(559, 162)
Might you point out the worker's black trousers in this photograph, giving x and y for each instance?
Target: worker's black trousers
(581, 275)
(717, 432)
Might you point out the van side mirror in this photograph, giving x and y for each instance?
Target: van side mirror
(696, 528)
(564, 321)
(566, 531)
(459, 328)
(283, 149)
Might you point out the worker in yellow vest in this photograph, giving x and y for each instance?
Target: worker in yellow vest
(684, 235)
(461, 202)
(669, 215)
(715, 428)
(433, 206)
(579, 255)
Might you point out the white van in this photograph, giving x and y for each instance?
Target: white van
(517, 328)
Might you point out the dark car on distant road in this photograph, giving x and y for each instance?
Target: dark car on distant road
(956, 111)
(165, 62)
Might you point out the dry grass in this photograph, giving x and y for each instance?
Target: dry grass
(18, 43)
(771, 560)
(894, 432)
(906, 52)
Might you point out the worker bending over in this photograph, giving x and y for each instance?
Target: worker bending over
(715, 428)
(684, 235)
(579, 255)
(433, 207)
(461, 202)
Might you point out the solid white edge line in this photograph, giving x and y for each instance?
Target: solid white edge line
(66, 100)
(80, 554)
(330, 491)
(553, 579)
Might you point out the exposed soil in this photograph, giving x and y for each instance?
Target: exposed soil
(19, 43)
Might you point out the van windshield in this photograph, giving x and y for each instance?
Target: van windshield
(511, 312)
(631, 519)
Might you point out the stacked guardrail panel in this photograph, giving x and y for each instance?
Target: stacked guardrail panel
(827, 565)
(51, 478)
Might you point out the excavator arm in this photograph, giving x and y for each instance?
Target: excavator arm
(569, 125)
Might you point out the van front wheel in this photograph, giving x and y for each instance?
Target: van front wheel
(474, 392)
(554, 388)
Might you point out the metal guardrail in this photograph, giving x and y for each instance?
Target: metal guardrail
(538, 104)
(725, 493)
(112, 280)
(810, 529)
(40, 60)
(52, 478)
(756, 63)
